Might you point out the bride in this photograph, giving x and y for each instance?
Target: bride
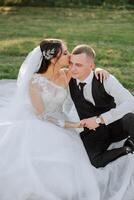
(41, 156)
(39, 159)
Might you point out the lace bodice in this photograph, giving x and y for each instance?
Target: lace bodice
(53, 95)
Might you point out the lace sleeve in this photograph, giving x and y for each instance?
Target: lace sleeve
(35, 90)
(58, 122)
(35, 96)
(68, 103)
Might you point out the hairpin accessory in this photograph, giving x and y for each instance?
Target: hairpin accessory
(48, 54)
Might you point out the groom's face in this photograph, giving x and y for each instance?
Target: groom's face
(80, 66)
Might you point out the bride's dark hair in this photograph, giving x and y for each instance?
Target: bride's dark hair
(50, 48)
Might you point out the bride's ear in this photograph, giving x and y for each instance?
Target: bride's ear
(53, 61)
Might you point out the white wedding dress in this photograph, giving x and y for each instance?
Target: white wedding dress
(41, 161)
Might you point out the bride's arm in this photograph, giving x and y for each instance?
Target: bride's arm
(101, 74)
(73, 124)
(38, 105)
(36, 99)
(63, 123)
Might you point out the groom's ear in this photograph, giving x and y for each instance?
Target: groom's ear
(92, 65)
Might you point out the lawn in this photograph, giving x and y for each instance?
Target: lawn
(109, 32)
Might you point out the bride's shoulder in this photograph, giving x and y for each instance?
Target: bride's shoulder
(37, 81)
(37, 78)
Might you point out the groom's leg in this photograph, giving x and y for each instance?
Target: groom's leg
(96, 144)
(128, 125)
(118, 131)
(122, 129)
(103, 158)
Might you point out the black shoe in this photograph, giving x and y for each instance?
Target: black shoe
(129, 143)
(128, 150)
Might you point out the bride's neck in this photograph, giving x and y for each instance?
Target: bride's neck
(51, 73)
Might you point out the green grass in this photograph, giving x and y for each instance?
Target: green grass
(109, 32)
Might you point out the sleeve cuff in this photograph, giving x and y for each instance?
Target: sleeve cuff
(107, 118)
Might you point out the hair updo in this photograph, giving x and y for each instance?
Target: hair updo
(50, 48)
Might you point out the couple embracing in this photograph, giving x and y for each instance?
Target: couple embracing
(41, 155)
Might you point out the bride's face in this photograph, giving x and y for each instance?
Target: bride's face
(64, 58)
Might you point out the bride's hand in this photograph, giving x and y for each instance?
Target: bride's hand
(78, 125)
(102, 74)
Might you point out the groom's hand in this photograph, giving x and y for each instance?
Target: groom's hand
(90, 123)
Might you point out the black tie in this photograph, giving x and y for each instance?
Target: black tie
(81, 85)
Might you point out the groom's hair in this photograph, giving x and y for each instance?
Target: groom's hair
(83, 48)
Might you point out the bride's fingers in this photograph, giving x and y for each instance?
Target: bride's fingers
(100, 76)
(83, 123)
(97, 75)
(81, 126)
(105, 75)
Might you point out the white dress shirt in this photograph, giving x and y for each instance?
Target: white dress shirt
(123, 98)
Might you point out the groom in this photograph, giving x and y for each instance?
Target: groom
(106, 109)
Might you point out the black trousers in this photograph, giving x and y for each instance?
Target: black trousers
(97, 142)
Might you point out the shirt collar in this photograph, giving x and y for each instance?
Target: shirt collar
(88, 80)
